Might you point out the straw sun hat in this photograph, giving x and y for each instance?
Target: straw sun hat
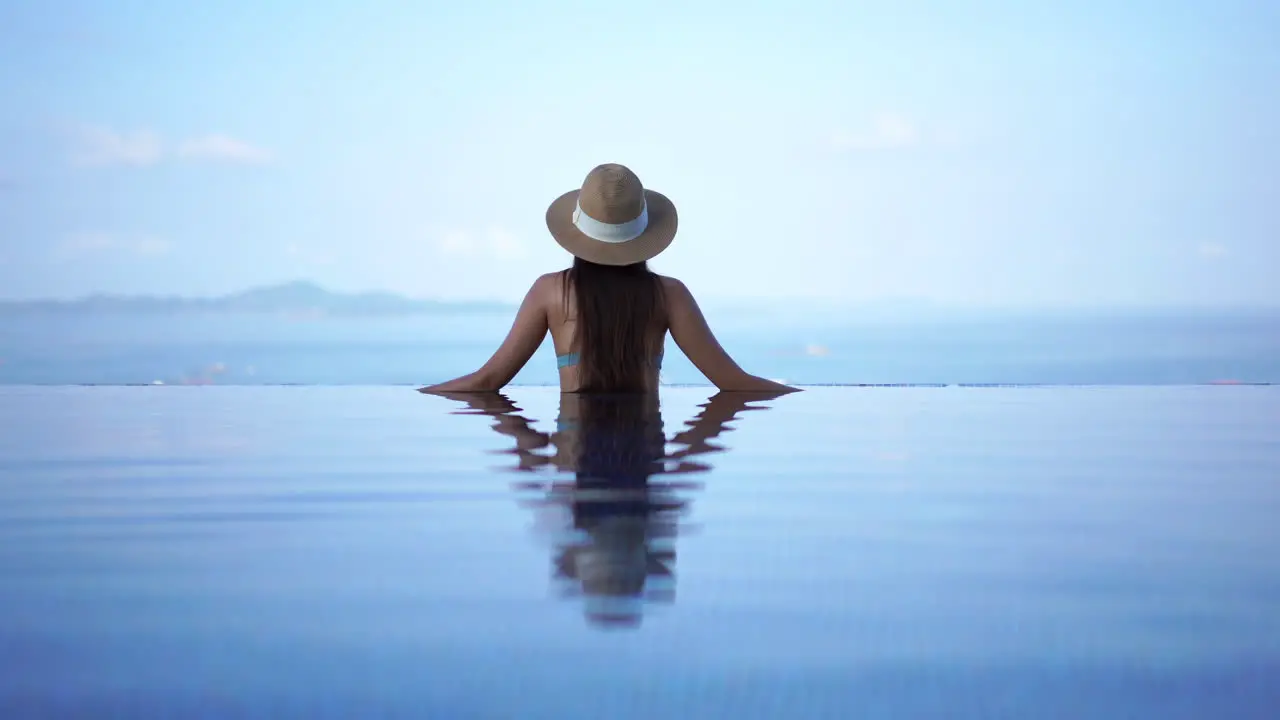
(612, 220)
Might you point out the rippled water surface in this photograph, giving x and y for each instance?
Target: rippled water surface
(890, 552)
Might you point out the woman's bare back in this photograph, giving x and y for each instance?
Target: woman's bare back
(548, 308)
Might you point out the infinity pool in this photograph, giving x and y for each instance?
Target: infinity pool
(317, 552)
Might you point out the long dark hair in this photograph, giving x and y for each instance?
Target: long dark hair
(621, 320)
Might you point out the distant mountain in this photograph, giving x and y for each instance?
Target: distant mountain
(295, 298)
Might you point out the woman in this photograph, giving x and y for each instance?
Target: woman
(609, 314)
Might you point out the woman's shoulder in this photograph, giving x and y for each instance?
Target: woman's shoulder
(549, 284)
(674, 288)
(548, 289)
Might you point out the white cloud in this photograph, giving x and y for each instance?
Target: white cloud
(83, 245)
(496, 244)
(308, 255)
(102, 147)
(149, 246)
(887, 131)
(454, 243)
(503, 245)
(221, 148)
(98, 147)
(1211, 250)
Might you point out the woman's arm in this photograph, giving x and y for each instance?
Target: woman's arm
(508, 421)
(694, 337)
(717, 413)
(526, 334)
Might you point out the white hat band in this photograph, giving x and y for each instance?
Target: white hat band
(610, 232)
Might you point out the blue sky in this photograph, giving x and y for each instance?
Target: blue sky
(976, 153)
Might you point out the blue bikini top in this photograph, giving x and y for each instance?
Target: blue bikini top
(570, 359)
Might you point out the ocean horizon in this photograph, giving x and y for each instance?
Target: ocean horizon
(957, 348)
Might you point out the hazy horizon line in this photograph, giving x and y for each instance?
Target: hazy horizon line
(900, 302)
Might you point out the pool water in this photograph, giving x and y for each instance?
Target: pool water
(318, 552)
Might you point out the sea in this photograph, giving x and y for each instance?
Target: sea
(829, 348)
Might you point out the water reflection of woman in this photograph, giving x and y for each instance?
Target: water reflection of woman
(618, 551)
